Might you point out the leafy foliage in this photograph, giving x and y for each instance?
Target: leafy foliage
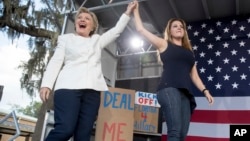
(43, 24)
(31, 110)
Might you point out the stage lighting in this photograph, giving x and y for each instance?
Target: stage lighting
(136, 42)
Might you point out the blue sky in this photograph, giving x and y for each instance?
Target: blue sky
(11, 55)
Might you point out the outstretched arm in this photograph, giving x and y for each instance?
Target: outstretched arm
(113, 33)
(130, 8)
(198, 83)
(158, 42)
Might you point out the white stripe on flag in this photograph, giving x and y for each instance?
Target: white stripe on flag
(224, 103)
(209, 130)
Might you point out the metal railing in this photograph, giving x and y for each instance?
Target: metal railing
(18, 132)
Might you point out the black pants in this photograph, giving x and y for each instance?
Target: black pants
(75, 114)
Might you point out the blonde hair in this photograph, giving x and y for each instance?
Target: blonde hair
(185, 40)
(95, 20)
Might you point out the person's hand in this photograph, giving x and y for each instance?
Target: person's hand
(209, 97)
(44, 93)
(130, 8)
(136, 5)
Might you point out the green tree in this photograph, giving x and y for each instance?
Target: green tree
(31, 110)
(43, 25)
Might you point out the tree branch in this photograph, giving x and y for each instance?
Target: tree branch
(31, 30)
(13, 14)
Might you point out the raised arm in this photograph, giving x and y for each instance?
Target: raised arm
(158, 42)
(113, 33)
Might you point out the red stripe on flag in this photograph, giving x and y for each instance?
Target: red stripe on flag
(222, 116)
(195, 138)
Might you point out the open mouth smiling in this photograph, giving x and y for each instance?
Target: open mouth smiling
(82, 26)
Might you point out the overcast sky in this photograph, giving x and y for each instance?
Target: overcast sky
(11, 55)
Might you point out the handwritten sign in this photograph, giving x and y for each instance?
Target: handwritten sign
(146, 112)
(147, 99)
(116, 115)
(118, 100)
(146, 118)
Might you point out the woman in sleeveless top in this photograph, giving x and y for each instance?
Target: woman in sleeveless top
(179, 72)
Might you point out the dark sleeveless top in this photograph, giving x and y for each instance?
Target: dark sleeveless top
(177, 64)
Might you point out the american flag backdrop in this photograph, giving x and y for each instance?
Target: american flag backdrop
(222, 52)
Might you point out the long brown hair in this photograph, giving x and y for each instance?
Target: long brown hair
(185, 40)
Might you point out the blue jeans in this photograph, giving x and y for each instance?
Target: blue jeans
(75, 114)
(175, 106)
